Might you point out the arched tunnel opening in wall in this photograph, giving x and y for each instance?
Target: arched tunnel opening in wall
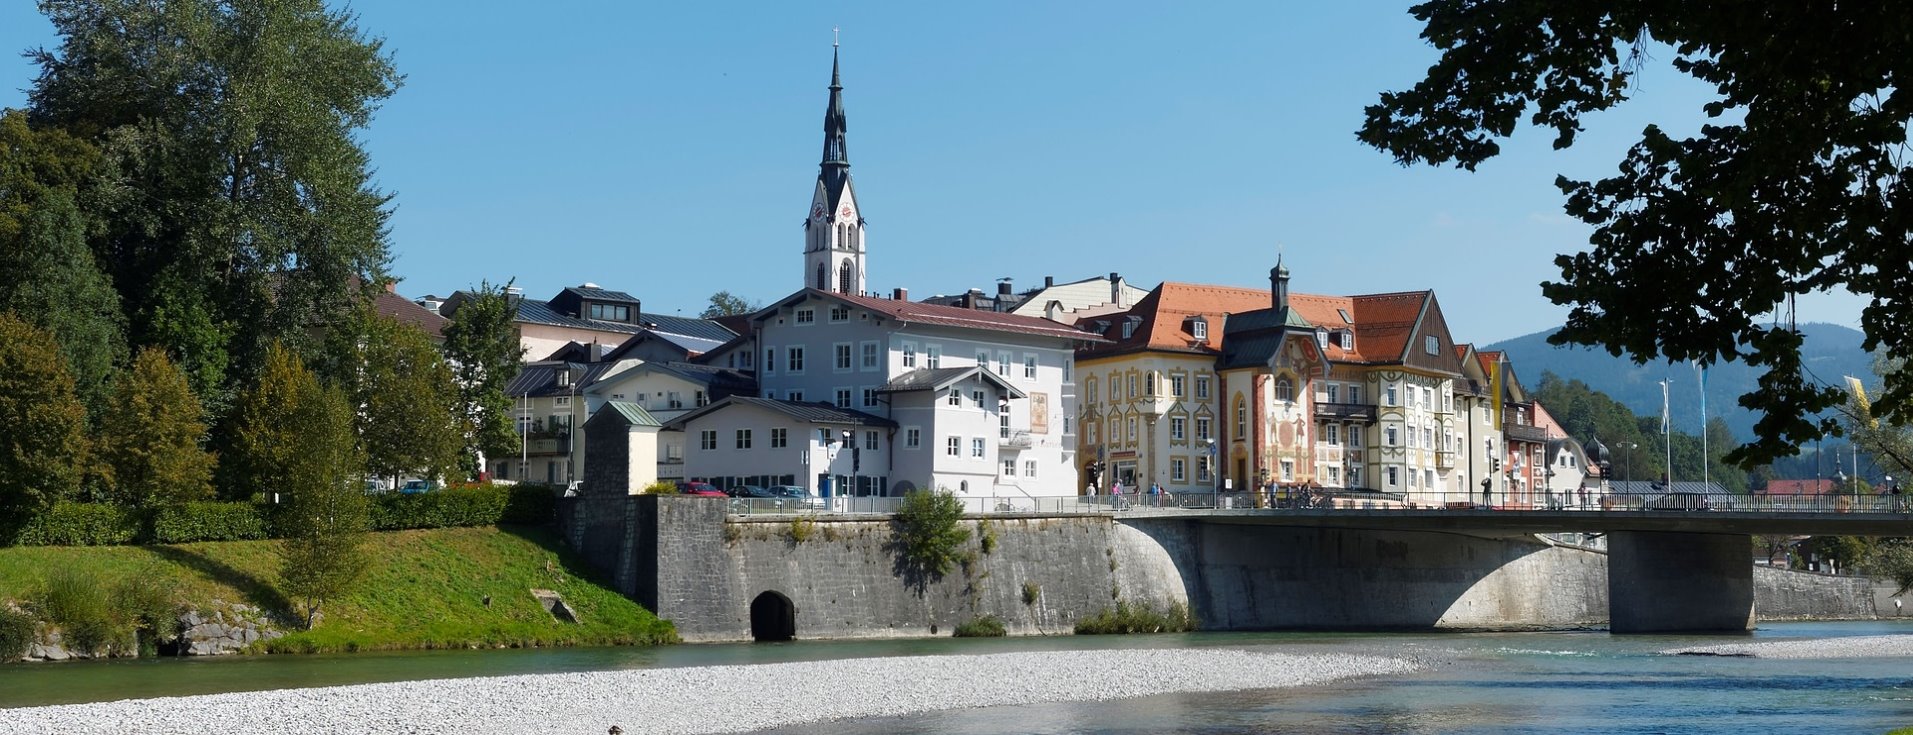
(773, 618)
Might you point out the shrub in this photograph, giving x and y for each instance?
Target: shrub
(479, 505)
(191, 522)
(987, 626)
(79, 606)
(661, 487)
(147, 610)
(986, 535)
(530, 505)
(1032, 592)
(930, 534)
(1141, 618)
(801, 529)
(16, 633)
(68, 523)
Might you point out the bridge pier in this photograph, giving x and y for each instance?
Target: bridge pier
(1674, 582)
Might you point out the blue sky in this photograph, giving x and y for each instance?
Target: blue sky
(669, 149)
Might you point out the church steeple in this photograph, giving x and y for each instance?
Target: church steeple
(834, 170)
(834, 233)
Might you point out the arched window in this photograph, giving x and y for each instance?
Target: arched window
(843, 235)
(823, 277)
(1284, 390)
(856, 238)
(1241, 420)
(847, 278)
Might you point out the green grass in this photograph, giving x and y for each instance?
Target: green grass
(425, 589)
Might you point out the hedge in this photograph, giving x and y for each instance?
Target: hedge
(100, 524)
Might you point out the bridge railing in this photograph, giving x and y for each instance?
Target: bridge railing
(1203, 501)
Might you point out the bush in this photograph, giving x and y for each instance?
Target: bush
(661, 487)
(530, 505)
(930, 534)
(191, 522)
(1032, 592)
(984, 627)
(146, 609)
(79, 606)
(478, 505)
(82, 524)
(16, 633)
(801, 529)
(1144, 618)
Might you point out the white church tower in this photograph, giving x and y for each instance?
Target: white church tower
(834, 233)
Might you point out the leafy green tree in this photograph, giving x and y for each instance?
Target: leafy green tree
(929, 535)
(409, 418)
(43, 447)
(266, 429)
(326, 514)
(482, 344)
(723, 303)
(248, 210)
(47, 272)
(1797, 184)
(150, 437)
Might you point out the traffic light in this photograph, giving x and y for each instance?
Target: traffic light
(856, 459)
(1496, 466)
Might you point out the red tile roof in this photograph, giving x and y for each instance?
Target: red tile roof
(404, 311)
(911, 312)
(1382, 323)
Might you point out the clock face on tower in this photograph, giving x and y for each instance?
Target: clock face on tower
(817, 211)
(845, 212)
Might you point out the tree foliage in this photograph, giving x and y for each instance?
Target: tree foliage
(724, 303)
(1588, 414)
(266, 429)
(150, 437)
(930, 534)
(408, 409)
(246, 211)
(1796, 185)
(481, 341)
(326, 513)
(43, 444)
(47, 272)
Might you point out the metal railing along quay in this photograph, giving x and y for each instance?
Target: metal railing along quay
(1247, 501)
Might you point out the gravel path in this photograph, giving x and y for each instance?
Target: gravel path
(1871, 646)
(712, 699)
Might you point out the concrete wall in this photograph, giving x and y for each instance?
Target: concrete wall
(1784, 594)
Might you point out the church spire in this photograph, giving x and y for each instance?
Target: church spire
(834, 171)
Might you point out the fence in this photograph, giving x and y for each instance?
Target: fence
(1090, 504)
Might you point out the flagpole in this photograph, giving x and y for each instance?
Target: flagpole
(1667, 433)
(1706, 451)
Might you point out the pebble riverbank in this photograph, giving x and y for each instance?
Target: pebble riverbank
(1872, 646)
(710, 699)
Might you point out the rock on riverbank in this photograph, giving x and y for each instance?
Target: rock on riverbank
(1871, 646)
(712, 699)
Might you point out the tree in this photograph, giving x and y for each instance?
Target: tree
(248, 211)
(408, 410)
(326, 513)
(47, 272)
(1797, 184)
(149, 438)
(267, 430)
(43, 447)
(482, 344)
(725, 304)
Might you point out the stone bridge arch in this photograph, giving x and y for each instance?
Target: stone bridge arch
(773, 617)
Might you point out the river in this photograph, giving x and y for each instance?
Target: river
(1559, 682)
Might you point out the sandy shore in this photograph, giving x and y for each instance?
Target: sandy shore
(713, 699)
(1872, 646)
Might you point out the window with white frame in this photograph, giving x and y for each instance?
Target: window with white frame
(1284, 390)
(1132, 384)
(870, 397)
(976, 396)
(1333, 392)
(561, 401)
(1202, 428)
(953, 446)
(1354, 394)
(843, 398)
(1332, 434)
(806, 316)
(707, 439)
(1241, 419)
(1089, 390)
(743, 438)
(909, 354)
(1029, 468)
(1413, 438)
(976, 448)
(702, 399)
(1199, 328)
(1202, 468)
(870, 440)
(1390, 436)
(1009, 468)
(1202, 387)
(795, 362)
(933, 356)
(1288, 470)
(1388, 394)
(1132, 429)
(780, 438)
(956, 397)
(1176, 385)
(1431, 345)
(1394, 476)
(842, 353)
(1178, 471)
(1003, 425)
(770, 360)
(840, 313)
(1428, 479)
(796, 395)
(1414, 479)
(912, 438)
(1149, 384)
(869, 355)
(1003, 364)
(983, 359)
(1029, 366)
(1177, 425)
(1089, 430)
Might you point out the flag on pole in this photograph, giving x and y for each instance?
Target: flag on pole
(1666, 419)
(1494, 386)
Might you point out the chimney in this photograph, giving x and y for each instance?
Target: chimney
(900, 294)
(1279, 285)
(1049, 281)
(973, 299)
(391, 286)
(1002, 288)
(1116, 289)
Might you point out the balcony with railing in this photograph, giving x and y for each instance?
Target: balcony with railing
(1444, 460)
(1524, 433)
(1345, 412)
(1016, 440)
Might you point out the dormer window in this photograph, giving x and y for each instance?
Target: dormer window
(564, 378)
(610, 312)
(1129, 326)
(1431, 344)
(1321, 338)
(1346, 339)
(1198, 327)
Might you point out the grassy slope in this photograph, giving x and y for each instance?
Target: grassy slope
(425, 589)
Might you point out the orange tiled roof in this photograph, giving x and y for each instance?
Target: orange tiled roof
(1383, 323)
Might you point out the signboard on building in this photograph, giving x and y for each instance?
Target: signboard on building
(1039, 413)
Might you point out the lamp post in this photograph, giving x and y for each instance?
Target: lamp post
(1215, 475)
(1627, 460)
(850, 442)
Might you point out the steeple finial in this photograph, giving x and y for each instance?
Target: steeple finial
(835, 168)
(833, 36)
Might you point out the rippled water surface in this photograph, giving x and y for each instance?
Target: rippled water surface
(1582, 682)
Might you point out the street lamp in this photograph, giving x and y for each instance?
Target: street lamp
(1627, 460)
(850, 441)
(1215, 474)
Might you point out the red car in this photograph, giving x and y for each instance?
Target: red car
(700, 489)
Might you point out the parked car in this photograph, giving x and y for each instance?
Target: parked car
(798, 493)
(700, 489)
(751, 491)
(414, 487)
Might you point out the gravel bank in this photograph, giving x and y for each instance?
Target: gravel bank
(712, 699)
(1871, 646)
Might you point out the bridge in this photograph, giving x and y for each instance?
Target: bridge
(1668, 570)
